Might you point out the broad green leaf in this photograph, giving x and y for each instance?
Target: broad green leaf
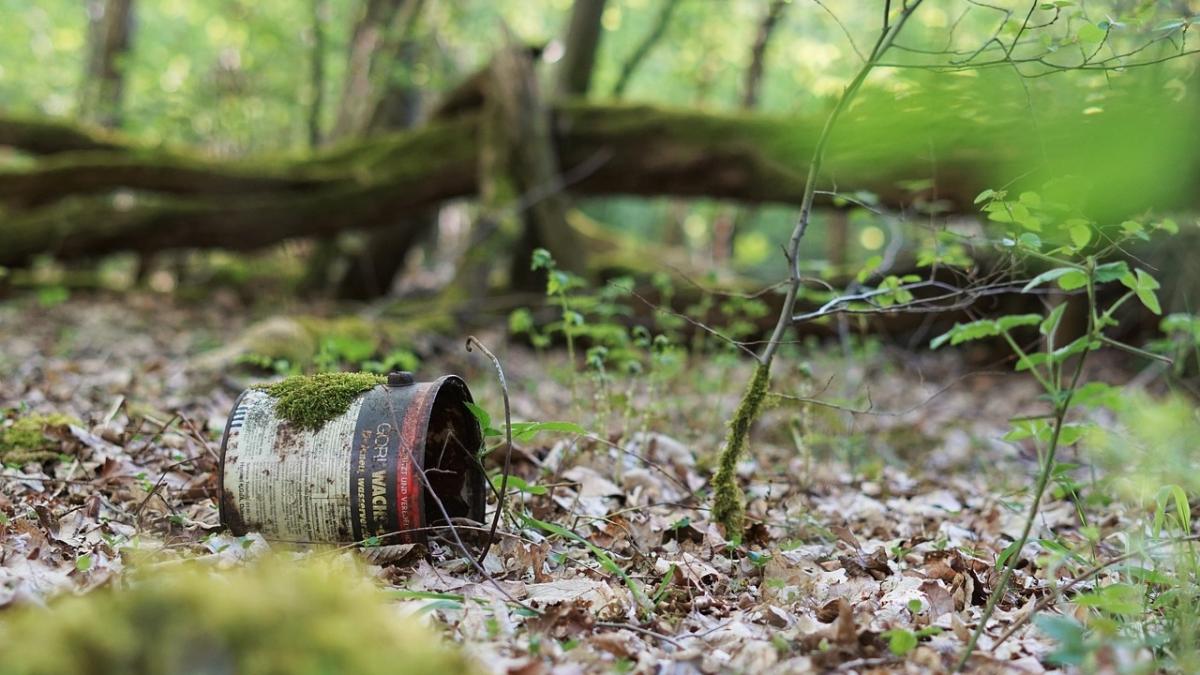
(1115, 599)
(1144, 286)
(1071, 433)
(1091, 34)
(965, 332)
(480, 415)
(1022, 429)
(1049, 275)
(1030, 240)
(901, 641)
(1094, 394)
(1081, 234)
(1111, 271)
(1059, 355)
(1031, 199)
(1007, 323)
(1072, 280)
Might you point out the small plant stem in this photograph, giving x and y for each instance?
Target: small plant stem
(1047, 468)
(728, 508)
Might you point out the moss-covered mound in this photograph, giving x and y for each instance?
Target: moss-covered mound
(309, 401)
(279, 617)
(25, 440)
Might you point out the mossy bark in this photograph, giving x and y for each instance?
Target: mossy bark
(729, 506)
(125, 197)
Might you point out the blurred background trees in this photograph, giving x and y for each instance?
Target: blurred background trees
(357, 129)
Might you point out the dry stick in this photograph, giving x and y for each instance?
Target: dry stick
(198, 436)
(472, 340)
(1056, 592)
(137, 514)
(752, 400)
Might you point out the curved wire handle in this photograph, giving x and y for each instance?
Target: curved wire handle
(473, 341)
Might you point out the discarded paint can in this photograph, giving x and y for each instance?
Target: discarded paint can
(399, 460)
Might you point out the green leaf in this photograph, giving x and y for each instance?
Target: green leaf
(1007, 323)
(84, 562)
(1094, 394)
(1111, 271)
(1144, 286)
(519, 484)
(1049, 275)
(1068, 633)
(1008, 552)
(1072, 280)
(525, 431)
(1022, 429)
(901, 641)
(1049, 326)
(1081, 234)
(481, 415)
(964, 332)
(1091, 34)
(1115, 599)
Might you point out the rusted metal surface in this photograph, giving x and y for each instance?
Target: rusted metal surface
(399, 459)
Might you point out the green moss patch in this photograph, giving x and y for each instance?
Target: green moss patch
(729, 507)
(272, 618)
(26, 440)
(310, 401)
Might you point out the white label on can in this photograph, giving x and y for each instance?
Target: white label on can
(288, 483)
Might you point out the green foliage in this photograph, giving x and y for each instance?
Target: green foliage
(279, 616)
(1049, 232)
(26, 440)
(310, 401)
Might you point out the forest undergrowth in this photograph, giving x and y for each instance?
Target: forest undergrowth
(880, 517)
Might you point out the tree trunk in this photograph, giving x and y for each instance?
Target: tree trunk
(725, 231)
(758, 53)
(109, 34)
(368, 61)
(373, 100)
(643, 48)
(316, 73)
(574, 74)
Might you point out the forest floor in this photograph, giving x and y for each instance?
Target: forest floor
(872, 548)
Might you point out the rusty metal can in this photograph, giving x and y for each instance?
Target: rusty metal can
(398, 461)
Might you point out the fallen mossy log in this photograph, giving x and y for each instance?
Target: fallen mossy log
(97, 195)
(143, 200)
(47, 137)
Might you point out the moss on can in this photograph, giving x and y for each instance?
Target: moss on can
(310, 401)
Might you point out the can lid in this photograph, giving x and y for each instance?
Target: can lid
(401, 378)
